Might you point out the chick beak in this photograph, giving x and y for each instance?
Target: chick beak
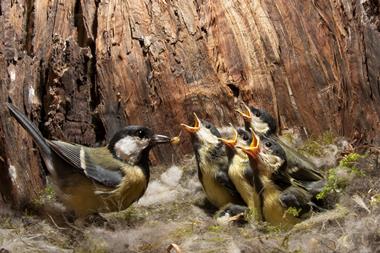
(195, 128)
(230, 142)
(248, 115)
(254, 148)
(158, 138)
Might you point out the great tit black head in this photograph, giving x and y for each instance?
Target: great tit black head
(240, 137)
(132, 140)
(260, 120)
(245, 137)
(271, 153)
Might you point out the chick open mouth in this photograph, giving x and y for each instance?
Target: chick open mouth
(195, 128)
(247, 115)
(254, 148)
(230, 142)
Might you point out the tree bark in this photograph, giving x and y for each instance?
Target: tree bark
(84, 69)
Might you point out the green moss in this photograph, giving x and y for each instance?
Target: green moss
(288, 137)
(293, 211)
(182, 232)
(46, 195)
(252, 215)
(215, 228)
(271, 229)
(6, 223)
(132, 214)
(315, 146)
(336, 184)
(350, 162)
(375, 200)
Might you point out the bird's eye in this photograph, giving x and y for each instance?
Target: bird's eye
(140, 134)
(257, 113)
(208, 126)
(245, 137)
(268, 144)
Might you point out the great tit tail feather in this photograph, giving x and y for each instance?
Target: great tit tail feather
(30, 128)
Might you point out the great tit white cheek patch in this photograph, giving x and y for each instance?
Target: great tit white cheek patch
(130, 146)
(259, 125)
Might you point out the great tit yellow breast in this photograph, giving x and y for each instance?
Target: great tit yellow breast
(217, 194)
(273, 211)
(236, 172)
(85, 196)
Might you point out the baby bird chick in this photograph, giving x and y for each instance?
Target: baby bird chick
(242, 175)
(278, 194)
(212, 163)
(299, 167)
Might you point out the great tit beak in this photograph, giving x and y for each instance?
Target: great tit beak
(158, 138)
(230, 142)
(195, 128)
(254, 148)
(248, 115)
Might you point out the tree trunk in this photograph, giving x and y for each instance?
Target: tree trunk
(83, 69)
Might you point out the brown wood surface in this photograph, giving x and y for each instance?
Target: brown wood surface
(83, 69)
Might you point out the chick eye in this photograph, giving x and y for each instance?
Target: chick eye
(208, 126)
(257, 113)
(268, 144)
(245, 137)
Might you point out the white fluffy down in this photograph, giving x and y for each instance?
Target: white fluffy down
(164, 190)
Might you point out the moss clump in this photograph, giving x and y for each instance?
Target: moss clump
(182, 232)
(252, 215)
(350, 162)
(215, 228)
(7, 223)
(314, 146)
(293, 211)
(337, 183)
(45, 196)
(132, 214)
(375, 200)
(271, 229)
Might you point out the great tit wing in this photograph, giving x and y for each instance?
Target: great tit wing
(78, 157)
(299, 166)
(295, 197)
(314, 187)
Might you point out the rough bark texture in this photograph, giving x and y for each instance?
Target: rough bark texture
(83, 69)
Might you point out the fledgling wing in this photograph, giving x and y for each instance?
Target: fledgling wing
(299, 166)
(296, 197)
(108, 175)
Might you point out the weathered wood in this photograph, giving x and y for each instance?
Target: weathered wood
(83, 69)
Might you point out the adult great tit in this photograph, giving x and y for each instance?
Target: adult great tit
(299, 167)
(212, 162)
(278, 193)
(104, 179)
